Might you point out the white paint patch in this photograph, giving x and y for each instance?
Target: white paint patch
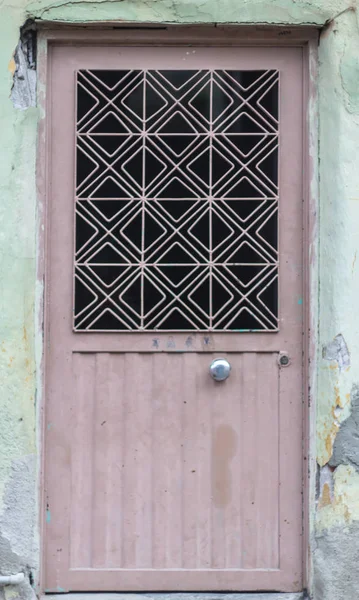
(338, 350)
(326, 478)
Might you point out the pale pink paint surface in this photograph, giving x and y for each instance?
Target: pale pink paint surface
(156, 477)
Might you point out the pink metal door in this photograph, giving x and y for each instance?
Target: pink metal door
(164, 255)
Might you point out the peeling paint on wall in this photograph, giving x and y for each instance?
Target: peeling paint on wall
(325, 492)
(338, 481)
(337, 350)
(343, 507)
(296, 12)
(346, 445)
(337, 398)
(23, 68)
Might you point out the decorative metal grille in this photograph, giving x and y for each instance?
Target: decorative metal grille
(176, 200)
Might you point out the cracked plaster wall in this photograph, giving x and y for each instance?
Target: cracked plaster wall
(336, 515)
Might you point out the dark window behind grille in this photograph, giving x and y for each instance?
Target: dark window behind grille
(177, 201)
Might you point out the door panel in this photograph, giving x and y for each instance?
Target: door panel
(156, 476)
(172, 471)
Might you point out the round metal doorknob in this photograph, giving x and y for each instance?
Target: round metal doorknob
(220, 369)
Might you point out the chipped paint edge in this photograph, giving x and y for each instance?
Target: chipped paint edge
(40, 300)
(311, 241)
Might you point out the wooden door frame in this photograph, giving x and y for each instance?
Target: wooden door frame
(181, 35)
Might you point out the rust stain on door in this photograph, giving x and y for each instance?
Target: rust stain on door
(223, 451)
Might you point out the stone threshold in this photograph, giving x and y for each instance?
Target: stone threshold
(177, 596)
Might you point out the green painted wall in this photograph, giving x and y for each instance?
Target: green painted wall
(336, 517)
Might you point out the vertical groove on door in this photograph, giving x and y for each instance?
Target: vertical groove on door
(202, 476)
(259, 448)
(167, 461)
(226, 461)
(129, 494)
(191, 555)
(174, 428)
(108, 463)
(143, 444)
(160, 466)
(220, 469)
(100, 461)
(137, 483)
(268, 497)
(249, 464)
(117, 452)
(233, 521)
(82, 416)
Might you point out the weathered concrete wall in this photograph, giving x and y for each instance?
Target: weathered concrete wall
(335, 539)
(18, 452)
(337, 552)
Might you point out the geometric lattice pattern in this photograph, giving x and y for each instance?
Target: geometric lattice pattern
(177, 200)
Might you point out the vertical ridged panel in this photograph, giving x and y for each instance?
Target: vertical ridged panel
(259, 466)
(226, 468)
(82, 418)
(192, 558)
(201, 401)
(167, 460)
(107, 459)
(138, 464)
(268, 481)
(170, 469)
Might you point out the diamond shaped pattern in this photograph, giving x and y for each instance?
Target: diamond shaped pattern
(177, 200)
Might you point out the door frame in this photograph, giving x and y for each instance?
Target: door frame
(162, 34)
